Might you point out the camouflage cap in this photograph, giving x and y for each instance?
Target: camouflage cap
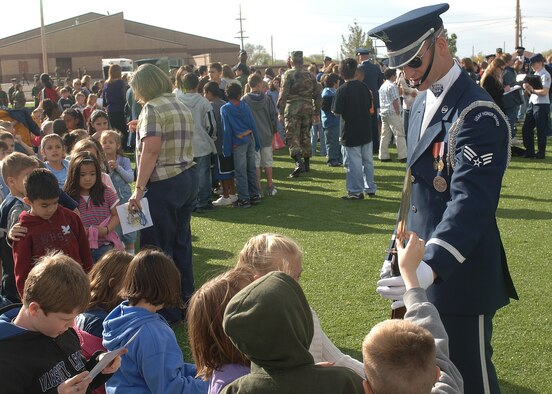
(297, 56)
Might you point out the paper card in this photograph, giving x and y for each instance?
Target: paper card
(108, 357)
(134, 221)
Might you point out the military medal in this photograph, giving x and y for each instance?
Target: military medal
(435, 153)
(441, 163)
(440, 184)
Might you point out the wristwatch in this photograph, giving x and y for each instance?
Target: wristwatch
(142, 188)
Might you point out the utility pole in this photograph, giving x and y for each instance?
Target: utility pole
(519, 26)
(43, 41)
(241, 36)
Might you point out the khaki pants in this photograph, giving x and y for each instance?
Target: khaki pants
(391, 124)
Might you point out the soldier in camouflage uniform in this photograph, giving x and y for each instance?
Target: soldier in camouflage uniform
(298, 106)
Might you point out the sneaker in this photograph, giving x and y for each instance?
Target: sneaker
(233, 197)
(254, 200)
(352, 196)
(271, 191)
(222, 201)
(242, 204)
(516, 142)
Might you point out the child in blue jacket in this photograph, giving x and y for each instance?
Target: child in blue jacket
(241, 139)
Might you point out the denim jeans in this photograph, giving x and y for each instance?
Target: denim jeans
(333, 148)
(98, 253)
(203, 164)
(317, 131)
(246, 172)
(359, 167)
(171, 202)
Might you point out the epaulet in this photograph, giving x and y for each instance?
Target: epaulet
(455, 127)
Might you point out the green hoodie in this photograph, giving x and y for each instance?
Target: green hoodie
(271, 323)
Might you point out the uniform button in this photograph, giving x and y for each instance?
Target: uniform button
(414, 209)
(412, 178)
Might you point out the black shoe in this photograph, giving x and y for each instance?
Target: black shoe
(307, 164)
(402, 160)
(299, 166)
(529, 156)
(371, 195)
(334, 164)
(349, 196)
(385, 160)
(242, 204)
(254, 200)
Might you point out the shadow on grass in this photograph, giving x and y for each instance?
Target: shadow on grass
(524, 214)
(528, 198)
(511, 388)
(292, 209)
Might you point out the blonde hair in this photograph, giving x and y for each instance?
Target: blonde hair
(268, 252)
(211, 347)
(116, 136)
(149, 82)
(58, 284)
(399, 348)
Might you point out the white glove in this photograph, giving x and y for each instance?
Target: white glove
(397, 305)
(392, 288)
(386, 271)
(425, 275)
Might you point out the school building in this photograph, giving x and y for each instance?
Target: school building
(80, 43)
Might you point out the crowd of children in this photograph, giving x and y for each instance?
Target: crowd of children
(251, 328)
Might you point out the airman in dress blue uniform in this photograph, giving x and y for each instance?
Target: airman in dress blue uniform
(458, 150)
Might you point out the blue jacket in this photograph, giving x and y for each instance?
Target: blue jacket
(154, 362)
(459, 225)
(235, 120)
(328, 118)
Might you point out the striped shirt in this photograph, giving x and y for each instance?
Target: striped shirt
(388, 92)
(166, 117)
(93, 215)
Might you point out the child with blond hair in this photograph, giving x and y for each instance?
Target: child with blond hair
(267, 252)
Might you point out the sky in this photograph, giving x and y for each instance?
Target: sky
(313, 26)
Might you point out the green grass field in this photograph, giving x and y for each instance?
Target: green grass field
(344, 244)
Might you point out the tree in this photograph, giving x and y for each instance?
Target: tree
(356, 39)
(257, 55)
(451, 41)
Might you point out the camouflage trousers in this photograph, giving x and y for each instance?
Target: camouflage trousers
(298, 134)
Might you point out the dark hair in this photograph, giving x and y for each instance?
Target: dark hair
(46, 81)
(97, 113)
(153, 277)
(106, 278)
(270, 72)
(75, 114)
(72, 184)
(190, 81)
(330, 80)
(216, 66)
(254, 80)
(243, 68)
(388, 74)
(202, 69)
(213, 88)
(233, 91)
(42, 184)
(348, 67)
(51, 109)
(59, 127)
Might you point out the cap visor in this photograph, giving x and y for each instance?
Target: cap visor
(403, 59)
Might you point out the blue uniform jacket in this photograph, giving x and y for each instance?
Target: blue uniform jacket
(459, 225)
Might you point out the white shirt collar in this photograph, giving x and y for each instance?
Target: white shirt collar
(432, 102)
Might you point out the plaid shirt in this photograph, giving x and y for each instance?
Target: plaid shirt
(388, 92)
(166, 117)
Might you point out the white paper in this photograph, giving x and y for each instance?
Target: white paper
(512, 89)
(108, 357)
(520, 77)
(135, 225)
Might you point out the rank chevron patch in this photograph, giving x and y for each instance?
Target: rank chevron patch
(475, 159)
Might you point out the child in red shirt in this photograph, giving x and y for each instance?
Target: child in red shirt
(49, 227)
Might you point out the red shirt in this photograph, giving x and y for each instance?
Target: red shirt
(63, 231)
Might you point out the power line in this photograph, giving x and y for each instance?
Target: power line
(241, 36)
